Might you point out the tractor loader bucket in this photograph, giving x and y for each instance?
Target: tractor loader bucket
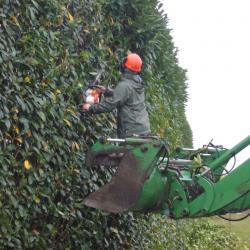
(125, 187)
(148, 179)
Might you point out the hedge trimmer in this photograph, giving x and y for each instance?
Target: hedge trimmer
(92, 93)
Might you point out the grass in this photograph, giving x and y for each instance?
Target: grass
(241, 229)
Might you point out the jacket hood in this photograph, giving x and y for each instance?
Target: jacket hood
(137, 84)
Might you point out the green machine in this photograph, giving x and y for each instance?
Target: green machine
(185, 183)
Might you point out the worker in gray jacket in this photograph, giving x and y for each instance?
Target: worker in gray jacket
(129, 100)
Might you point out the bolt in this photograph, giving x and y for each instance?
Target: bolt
(144, 149)
(179, 198)
(185, 211)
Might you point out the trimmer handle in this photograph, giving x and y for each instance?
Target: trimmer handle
(101, 89)
(92, 94)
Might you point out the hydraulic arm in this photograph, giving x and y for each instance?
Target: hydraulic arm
(183, 183)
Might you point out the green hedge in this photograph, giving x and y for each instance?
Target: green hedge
(49, 51)
(190, 234)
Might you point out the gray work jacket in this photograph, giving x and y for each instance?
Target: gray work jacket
(129, 100)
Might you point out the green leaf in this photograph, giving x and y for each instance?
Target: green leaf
(7, 124)
(21, 103)
(25, 123)
(42, 116)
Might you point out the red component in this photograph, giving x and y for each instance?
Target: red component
(92, 96)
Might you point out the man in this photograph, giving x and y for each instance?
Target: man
(128, 98)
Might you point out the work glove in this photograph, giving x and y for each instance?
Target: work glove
(85, 107)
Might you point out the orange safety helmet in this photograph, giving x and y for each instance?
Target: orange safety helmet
(133, 62)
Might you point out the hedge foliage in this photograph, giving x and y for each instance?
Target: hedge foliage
(192, 234)
(50, 50)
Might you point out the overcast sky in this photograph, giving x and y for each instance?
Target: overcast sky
(213, 39)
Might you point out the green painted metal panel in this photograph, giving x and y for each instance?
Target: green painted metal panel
(153, 192)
